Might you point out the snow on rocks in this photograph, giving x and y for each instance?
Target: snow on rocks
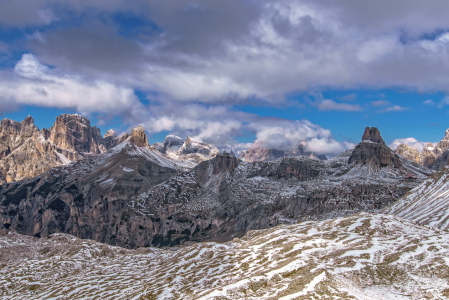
(363, 256)
(428, 203)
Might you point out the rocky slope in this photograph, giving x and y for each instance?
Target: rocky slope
(135, 196)
(258, 153)
(428, 203)
(363, 256)
(26, 152)
(187, 150)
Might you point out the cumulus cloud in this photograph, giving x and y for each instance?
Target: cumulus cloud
(429, 102)
(410, 142)
(233, 50)
(197, 59)
(35, 84)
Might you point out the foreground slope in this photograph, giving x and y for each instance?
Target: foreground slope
(363, 256)
(428, 203)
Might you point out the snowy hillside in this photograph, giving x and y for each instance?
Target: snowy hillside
(428, 203)
(358, 257)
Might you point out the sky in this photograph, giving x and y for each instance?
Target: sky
(232, 72)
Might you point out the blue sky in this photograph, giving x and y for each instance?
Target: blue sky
(231, 72)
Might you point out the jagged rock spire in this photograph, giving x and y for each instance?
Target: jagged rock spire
(372, 134)
(139, 137)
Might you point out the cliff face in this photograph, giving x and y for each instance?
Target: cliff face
(430, 155)
(26, 152)
(411, 153)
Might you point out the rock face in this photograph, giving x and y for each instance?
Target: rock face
(74, 133)
(139, 137)
(372, 134)
(258, 153)
(411, 153)
(26, 152)
(135, 196)
(429, 157)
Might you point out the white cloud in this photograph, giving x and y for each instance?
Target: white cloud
(393, 108)
(429, 102)
(351, 97)
(35, 84)
(444, 102)
(409, 141)
(327, 104)
(380, 103)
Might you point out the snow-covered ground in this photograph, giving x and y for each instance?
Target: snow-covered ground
(428, 203)
(363, 256)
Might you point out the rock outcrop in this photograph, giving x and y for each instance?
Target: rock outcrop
(26, 152)
(429, 155)
(411, 153)
(372, 134)
(373, 152)
(138, 136)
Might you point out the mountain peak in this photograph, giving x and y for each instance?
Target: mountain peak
(110, 132)
(28, 120)
(139, 137)
(372, 134)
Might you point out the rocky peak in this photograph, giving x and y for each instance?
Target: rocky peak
(72, 132)
(110, 133)
(191, 146)
(376, 153)
(411, 153)
(223, 163)
(28, 120)
(372, 134)
(138, 136)
(10, 127)
(172, 143)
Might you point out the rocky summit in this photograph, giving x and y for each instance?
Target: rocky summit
(26, 152)
(434, 157)
(188, 150)
(134, 196)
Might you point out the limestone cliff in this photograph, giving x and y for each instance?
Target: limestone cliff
(26, 152)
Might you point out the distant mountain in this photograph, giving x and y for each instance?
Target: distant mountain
(26, 152)
(135, 196)
(258, 153)
(186, 150)
(429, 156)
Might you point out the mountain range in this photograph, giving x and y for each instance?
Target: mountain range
(434, 157)
(133, 195)
(365, 224)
